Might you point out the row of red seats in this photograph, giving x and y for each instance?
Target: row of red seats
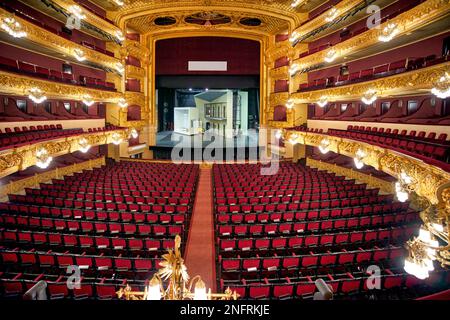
(17, 140)
(42, 72)
(94, 228)
(25, 129)
(62, 240)
(113, 216)
(99, 197)
(288, 228)
(294, 263)
(294, 215)
(352, 237)
(368, 74)
(127, 185)
(132, 207)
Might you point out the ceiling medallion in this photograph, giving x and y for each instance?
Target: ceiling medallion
(207, 19)
(164, 21)
(250, 22)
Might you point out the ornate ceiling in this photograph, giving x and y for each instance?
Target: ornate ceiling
(275, 15)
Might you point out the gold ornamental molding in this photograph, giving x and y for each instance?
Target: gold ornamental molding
(279, 73)
(406, 22)
(15, 84)
(278, 51)
(135, 98)
(372, 182)
(20, 158)
(134, 72)
(429, 179)
(415, 81)
(279, 98)
(290, 118)
(48, 39)
(135, 49)
(91, 18)
(18, 186)
(341, 9)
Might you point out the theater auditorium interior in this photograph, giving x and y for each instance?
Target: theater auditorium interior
(235, 150)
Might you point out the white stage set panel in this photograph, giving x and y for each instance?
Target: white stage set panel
(186, 121)
(207, 66)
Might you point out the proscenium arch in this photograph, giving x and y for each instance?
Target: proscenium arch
(151, 40)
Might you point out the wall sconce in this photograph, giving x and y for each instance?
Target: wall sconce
(359, 156)
(294, 36)
(279, 134)
(120, 68)
(119, 35)
(441, 88)
(293, 139)
(294, 69)
(330, 55)
(403, 187)
(122, 103)
(388, 32)
(37, 95)
(422, 253)
(84, 145)
(116, 138)
(87, 100)
(13, 28)
(332, 14)
(43, 159)
(369, 97)
(79, 54)
(323, 101)
(290, 104)
(77, 12)
(134, 133)
(324, 146)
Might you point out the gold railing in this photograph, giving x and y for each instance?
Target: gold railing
(135, 72)
(16, 84)
(20, 158)
(34, 181)
(415, 81)
(406, 22)
(48, 39)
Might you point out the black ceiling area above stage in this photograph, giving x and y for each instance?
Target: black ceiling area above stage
(210, 82)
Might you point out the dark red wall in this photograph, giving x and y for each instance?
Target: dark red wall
(172, 55)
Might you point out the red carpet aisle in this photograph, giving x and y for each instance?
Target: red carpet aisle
(200, 253)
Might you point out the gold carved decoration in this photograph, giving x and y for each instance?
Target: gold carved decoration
(135, 72)
(46, 38)
(20, 158)
(279, 73)
(421, 14)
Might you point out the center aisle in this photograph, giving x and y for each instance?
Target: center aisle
(200, 251)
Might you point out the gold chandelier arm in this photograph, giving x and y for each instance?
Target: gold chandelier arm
(191, 282)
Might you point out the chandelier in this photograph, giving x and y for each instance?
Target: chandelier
(332, 14)
(119, 35)
(87, 100)
(324, 146)
(358, 159)
(293, 139)
(84, 145)
(122, 103)
(13, 28)
(179, 287)
(43, 159)
(403, 186)
(79, 54)
(388, 32)
(369, 97)
(77, 12)
(294, 69)
(323, 101)
(294, 36)
(290, 104)
(134, 133)
(330, 55)
(116, 138)
(279, 134)
(441, 88)
(37, 95)
(120, 68)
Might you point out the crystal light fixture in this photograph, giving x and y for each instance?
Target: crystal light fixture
(37, 95)
(441, 88)
(87, 100)
(119, 35)
(84, 145)
(293, 139)
(332, 14)
(323, 101)
(369, 97)
(279, 134)
(116, 138)
(122, 103)
(79, 54)
(134, 133)
(403, 186)
(77, 11)
(43, 159)
(324, 146)
(120, 68)
(13, 27)
(388, 32)
(330, 55)
(290, 104)
(294, 36)
(172, 282)
(293, 69)
(358, 159)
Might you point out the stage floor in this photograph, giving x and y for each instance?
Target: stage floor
(170, 139)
